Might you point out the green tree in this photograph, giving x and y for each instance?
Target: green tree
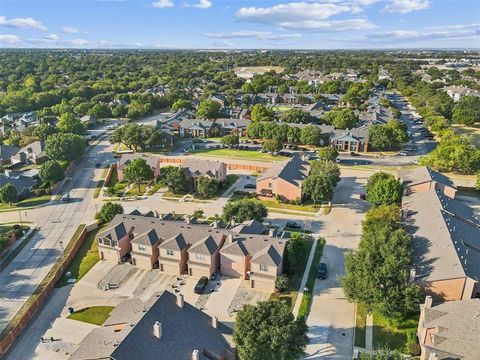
(281, 284)
(269, 331)
(383, 189)
(243, 210)
(310, 135)
(43, 131)
(230, 140)
(8, 193)
(208, 109)
(327, 153)
(206, 187)
(182, 104)
(64, 147)
(262, 113)
(272, 145)
(108, 212)
(467, 110)
(296, 116)
(198, 214)
(138, 172)
(68, 123)
(100, 111)
(318, 187)
(51, 172)
(477, 184)
(174, 179)
(341, 118)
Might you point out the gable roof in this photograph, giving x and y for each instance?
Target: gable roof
(126, 159)
(268, 256)
(7, 151)
(206, 246)
(424, 174)
(115, 232)
(294, 170)
(249, 227)
(20, 182)
(149, 238)
(202, 167)
(184, 329)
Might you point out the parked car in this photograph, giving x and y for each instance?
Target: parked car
(414, 162)
(250, 186)
(201, 284)
(322, 272)
(402, 153)
(293, 225)
(97, 165)
(65, 197)
(362, 196)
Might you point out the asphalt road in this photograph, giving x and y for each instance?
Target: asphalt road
(57, 223)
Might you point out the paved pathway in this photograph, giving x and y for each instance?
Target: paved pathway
(369, 332)
(296, 307)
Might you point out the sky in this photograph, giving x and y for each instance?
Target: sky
(240, 24)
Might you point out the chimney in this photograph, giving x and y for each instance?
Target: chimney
(196, 355)
(157, 329)
(232, 222)
(215, 322)
(413, 273)
(216, 224)
(180, 301)
(229, 239)
(428, 302)
(271, 232)
(188, 219)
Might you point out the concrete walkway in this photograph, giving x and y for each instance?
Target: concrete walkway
(304, 278)
(369, 332)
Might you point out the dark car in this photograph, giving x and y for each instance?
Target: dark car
(292, 225)
(322, 271)
(97, 165)
(201, 284)
(250, 186)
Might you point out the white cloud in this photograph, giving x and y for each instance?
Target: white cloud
(306, 16)
(22, 23)
(70, 30)
(203, 4)
(10, 39)
(161, 4)
(223, 44)
(260, 35)
(406, 6)
(78, 42)
(52, 37)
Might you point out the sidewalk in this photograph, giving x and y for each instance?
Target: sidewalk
(304, 278)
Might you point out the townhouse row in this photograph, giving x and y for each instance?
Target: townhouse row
(180, 248)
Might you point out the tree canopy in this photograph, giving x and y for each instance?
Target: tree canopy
(51, 172)
(64, 146)
(108, 212)
(243, 210)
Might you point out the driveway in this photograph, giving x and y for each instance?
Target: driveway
(220, 299)
(332, 319)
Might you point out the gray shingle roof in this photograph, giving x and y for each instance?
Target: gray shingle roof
(206, 246)
(7, 151)
(249, 227)
(268, 256)
(184, 329)
(149, 238)
(458, 325)
(126, 159)
(424, 174)
(202, 167)
(293, 170)
(20, 182)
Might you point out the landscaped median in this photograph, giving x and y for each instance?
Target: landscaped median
(95, 315)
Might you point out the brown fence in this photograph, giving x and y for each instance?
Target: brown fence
(109, 173)
(29, 309)
(230, 166)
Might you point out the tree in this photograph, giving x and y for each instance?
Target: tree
(198, 214)
(296, 116)
(310, 135)
(269, 331)
(327, 153)
(272, 145)
(64, 147)
(174, 179)
(108, 212)
(230, 140)
(318, 187)
(467, 110)
(51, 172)
(208, 109)
(293, 253)
(182, 104)
(138, 171)
(341, 118)
(281, 284)
(43, 131)
(383, 189)
(68, 123)
(243, 210)
(262, 113)
(8, 193)
(206, 187)
(100, 111)
(477, 184)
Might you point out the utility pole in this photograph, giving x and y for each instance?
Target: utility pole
(21, 221)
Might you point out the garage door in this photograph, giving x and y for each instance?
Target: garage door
(198, 272)
(170, 268)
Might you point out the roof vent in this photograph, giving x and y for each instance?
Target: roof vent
(157, 330)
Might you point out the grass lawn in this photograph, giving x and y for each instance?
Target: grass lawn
(120, 147)
(86, 257)
(308, 296)
(6, 231)
(100, 183)
(30, 202)
(393, 333)
(278, 205)
(360, 326)
(137, 190)
(113, 178)
(168, 194)
(290, 295)
(118, 189)
(472, 131)
(93, 315)
(154, 189)
(237, 154)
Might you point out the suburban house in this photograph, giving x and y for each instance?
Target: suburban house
(163, 327)
(284, 179)
(126, 159)
(88, 119)
(198, 250)
(6, 152)
(445, 241)
(457, 92)
(424, 178)
(31, 154)
(449, 330)
(194, 168)
(23, 184)
(228, 126)
(198, 128)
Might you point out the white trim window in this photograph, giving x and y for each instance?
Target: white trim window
(170, 252)
(263, 268)
(200, 257)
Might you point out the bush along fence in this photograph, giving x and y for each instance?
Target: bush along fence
(35, 302)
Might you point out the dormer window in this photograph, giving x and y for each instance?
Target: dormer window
(199, 257)
(142, 247)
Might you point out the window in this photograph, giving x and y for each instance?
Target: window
(170, 252)
(269, 185)
(114, 243)
(263, 267)
(100, 241)
(107, 242)
(199, 257)
(142, 247)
